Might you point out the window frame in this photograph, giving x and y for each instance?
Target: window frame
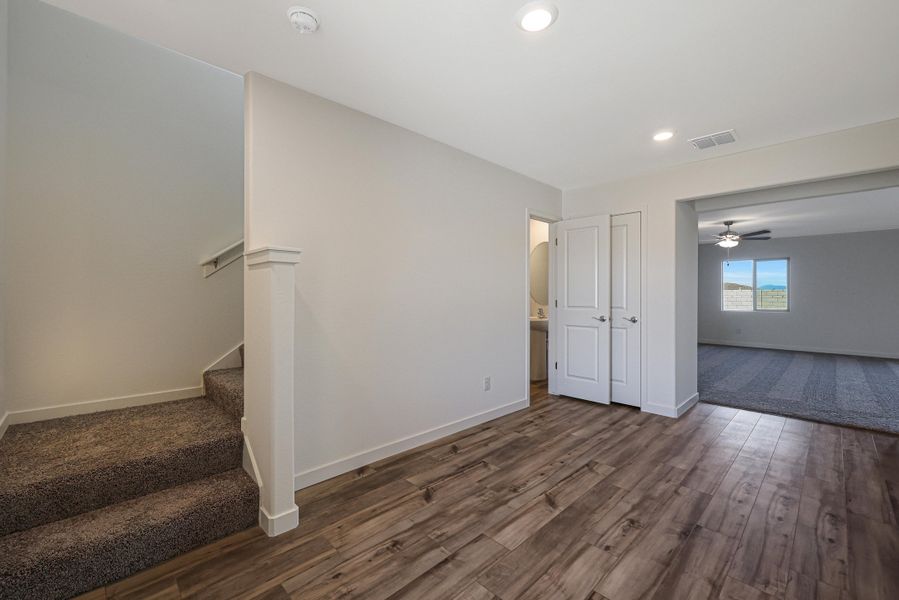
(755, 308)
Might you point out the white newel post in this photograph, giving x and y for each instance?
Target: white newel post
(269, 303)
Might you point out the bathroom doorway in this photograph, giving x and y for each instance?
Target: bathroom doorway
(539, 290)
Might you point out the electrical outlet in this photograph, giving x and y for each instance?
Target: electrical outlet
(486, 384)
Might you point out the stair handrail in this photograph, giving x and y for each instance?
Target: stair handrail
(222, 258)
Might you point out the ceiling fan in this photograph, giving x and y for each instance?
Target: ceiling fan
(731, 239)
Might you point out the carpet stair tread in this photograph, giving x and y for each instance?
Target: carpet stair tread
(67, 557)
(56, 469)
(224, 387)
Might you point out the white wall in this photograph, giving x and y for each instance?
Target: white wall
(853, 151)
(4, 20)
(843, 295)
(686, 256)
(126, 169)
(411, 283)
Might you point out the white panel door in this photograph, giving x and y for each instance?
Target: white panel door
(626, 321)
(582, 315)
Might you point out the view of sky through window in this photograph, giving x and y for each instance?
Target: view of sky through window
(749, 285)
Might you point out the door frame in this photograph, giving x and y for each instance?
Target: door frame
(551, 271)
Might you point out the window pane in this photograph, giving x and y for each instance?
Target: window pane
(771, 280)
(737, 278)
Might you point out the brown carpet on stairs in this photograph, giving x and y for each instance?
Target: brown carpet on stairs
(225, 388)
(90, 499)
(68, 557)
(54, 469)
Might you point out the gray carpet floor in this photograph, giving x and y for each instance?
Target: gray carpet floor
(831, 388)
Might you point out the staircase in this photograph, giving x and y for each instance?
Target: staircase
(90, 499)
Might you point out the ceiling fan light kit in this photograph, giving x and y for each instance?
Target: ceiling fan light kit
(731, 239)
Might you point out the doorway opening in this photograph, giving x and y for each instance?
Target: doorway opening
(797, 307)
(538, 300)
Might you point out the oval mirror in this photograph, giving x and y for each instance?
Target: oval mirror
(540, 273)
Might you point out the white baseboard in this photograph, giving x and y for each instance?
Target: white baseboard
(366, 457)
(229, 360)
(90, 406)
(673, 412)
(687, 404)
(799, 348)
(4, 423)
(279, 523)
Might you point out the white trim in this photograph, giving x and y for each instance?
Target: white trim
(4, 423)
(552, 351)
(667, 411)
(228, 360)
(360, 459)
(800, 349)
(272, 254)
(279, 524)
(91, 406)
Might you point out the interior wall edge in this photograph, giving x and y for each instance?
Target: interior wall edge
(798, 191)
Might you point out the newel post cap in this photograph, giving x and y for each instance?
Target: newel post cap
(273, 254)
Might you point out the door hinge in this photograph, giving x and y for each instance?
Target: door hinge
(557, 366)
(557, 241)
(557, 304)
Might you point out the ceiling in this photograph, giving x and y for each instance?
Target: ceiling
(844, 213)
(571, 106)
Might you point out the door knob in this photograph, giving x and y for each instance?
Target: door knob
(600, 318)
(631, 319)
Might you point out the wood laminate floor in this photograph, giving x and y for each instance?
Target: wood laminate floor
(570, 500)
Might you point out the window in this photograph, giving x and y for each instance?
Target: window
(755, 285)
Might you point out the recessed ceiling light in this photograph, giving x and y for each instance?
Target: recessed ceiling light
(536, 16)
(303, 19)
(663, 136)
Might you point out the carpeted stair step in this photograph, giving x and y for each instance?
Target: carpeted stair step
(225, 388)
(75, 555)
(56, 469)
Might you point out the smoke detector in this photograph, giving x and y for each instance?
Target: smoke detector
(303, 19)
(714, 139)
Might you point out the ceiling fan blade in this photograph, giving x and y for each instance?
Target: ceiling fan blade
(753, 233)
(753, 239)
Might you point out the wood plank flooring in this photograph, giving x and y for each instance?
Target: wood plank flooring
(573, 501)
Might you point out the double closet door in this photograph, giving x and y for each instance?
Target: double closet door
(597, 308)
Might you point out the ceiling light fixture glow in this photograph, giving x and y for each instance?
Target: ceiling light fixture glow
(663, 136)
(729, 242)
(536, 16)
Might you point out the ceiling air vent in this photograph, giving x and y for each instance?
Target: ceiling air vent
(714, 139)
